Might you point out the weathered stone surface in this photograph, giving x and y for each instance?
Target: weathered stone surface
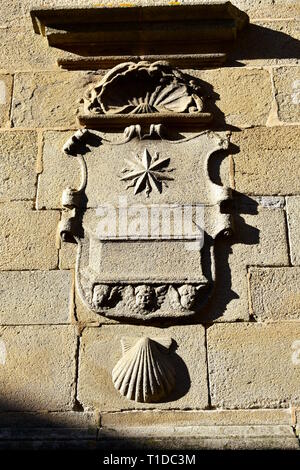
(51, 425)
(59, 171)
(293, 215)
(6, 82)
(287, 93)
(22, 49)
(201, 431)
(275, 293)
(282, 442)
(270, 202)
(48, 99)
(260, 239)
(37, 367)
(101, 350)
(14, 12)
(35, 297)
(67, 255)
(160, 261)
(254, 365)
(266, 42)
(18, 151)
(275, 9)
(198, 437)
(27, 238)
(254, 8)
(267, 151)
(242, 95)
(86, 316)
(196, 418)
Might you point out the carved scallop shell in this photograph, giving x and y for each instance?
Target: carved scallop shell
(132, 88)
(145, 373)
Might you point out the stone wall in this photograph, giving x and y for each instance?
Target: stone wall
(244, 359)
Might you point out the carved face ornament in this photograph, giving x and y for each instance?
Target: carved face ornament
(144, 296)
(188, 295)
(101, 293)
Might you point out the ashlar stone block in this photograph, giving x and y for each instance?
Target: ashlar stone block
(18, 153)
(275, 293)
(287, 93)
(101, 350)
(260, 239)
(267, 151)
(293, 216)
(254, 365)
(35, 297)
(48, 99)
(37, 367)
(6, 83)
(242, 95)
(27, 237)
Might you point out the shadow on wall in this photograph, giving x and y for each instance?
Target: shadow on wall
(243, 234)
(258, 42)
(55, 431)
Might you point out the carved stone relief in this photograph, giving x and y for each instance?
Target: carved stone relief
(151, 176)
(145, 372)
(132, 88)
(150, 300)
(147, 173)
(143, 89)
(96, 264)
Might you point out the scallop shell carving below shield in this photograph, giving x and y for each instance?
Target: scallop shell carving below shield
(145, 373)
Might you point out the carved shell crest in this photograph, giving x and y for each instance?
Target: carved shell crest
(134, 88)
(144, 373)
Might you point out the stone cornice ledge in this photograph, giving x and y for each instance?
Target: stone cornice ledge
(136, 30)
(117, 121)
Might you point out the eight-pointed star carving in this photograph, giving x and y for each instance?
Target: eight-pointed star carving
(147, 173)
